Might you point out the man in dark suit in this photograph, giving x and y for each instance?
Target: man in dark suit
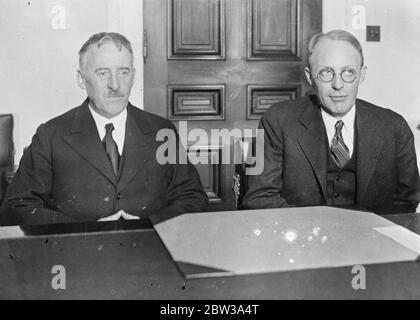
(332, 149)
(98, 161)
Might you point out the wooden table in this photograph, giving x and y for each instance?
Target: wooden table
(128, 261)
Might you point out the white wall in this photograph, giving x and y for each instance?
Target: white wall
(393, 78)
(38, 63)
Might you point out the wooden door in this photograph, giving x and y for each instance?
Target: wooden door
(220, 64)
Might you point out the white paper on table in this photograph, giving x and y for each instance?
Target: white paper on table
(403, 236)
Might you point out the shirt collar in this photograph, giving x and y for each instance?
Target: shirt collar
(348, 119)
(118, 121)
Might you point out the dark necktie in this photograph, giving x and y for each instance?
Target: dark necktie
(111, 147)
(339, 150)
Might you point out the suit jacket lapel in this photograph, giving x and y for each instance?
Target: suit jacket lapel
(84, 139)
(312, 141)
(137, 146)
(369, 146)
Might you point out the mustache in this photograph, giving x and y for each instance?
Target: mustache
(115, 94)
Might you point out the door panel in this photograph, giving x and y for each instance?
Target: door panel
(220, 64)
(196, 102)
(273, 30)
(196, 29)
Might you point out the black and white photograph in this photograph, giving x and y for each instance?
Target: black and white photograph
(210, 155)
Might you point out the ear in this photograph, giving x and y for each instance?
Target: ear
(363, 74)
(308, 76)
(81, 80)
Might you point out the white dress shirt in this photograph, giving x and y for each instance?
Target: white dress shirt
(118, 121)
(348, 129)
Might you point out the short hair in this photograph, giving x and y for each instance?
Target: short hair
(99, 38)
(339, 35)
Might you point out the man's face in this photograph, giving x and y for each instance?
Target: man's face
(336, 97)
(107, 74)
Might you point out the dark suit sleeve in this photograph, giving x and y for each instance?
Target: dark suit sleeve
(264, 190)
(26, 199)
(407, 194)
(185, 193)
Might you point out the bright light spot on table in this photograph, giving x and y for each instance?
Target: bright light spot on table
(290, 236)
(315, 231)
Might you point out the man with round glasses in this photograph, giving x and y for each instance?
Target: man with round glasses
(330, 148)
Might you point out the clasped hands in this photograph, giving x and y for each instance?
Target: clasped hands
(119, 215)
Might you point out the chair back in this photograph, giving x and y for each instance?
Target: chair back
(6, 150)
(244, 150)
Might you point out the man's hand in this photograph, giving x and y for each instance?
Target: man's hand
(119, 215)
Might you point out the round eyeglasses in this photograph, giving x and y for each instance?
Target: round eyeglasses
(328, 75)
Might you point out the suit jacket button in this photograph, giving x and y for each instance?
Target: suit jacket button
(119, 196)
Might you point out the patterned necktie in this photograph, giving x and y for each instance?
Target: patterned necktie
(111, 147)
(339, 150)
